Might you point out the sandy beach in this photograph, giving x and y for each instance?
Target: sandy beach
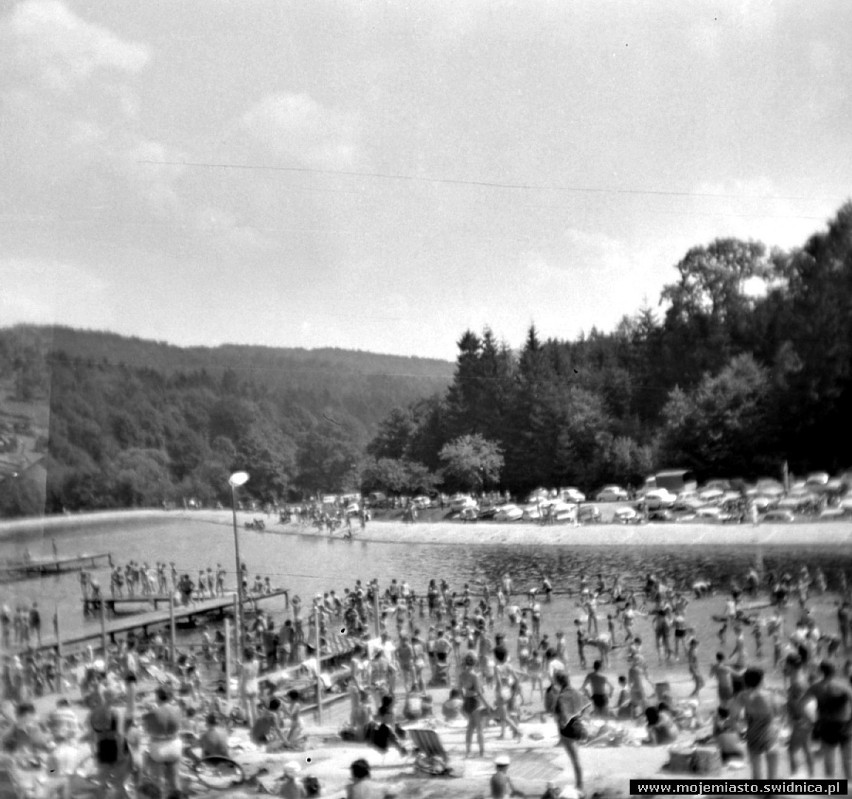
(484, 533)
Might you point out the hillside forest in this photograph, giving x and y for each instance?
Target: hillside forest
(745, 363)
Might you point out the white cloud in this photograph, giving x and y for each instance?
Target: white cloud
(46, 37)
(297, 126)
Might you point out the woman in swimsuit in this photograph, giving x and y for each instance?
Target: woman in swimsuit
(506, 690)
(249, 685)
(474, 705)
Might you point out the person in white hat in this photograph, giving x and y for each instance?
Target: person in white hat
(292, 787)
(501, 785)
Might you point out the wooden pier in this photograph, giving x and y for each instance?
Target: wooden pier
(217, 606)
(91, 605)
(38, 566)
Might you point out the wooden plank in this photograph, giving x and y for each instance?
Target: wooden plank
(157, 617)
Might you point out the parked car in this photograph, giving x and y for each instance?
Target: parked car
(508, 513)
(377, 499)
(661, 515)
(572, 495)
(722, 485)
(422, 502)
(779, 515)
(626, 515)
(708, 495)
(459, 502)
(559, 511)
(800, 502)
(659, 498)
(531, 513)
(768, 487)
(588, 514)
(469, 513)
(818, 478)
(539, 495)
(612, 494)
(689, 503)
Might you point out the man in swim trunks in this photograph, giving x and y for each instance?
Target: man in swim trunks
(759, 709)
(162, 723)
(599, 688)
(834, 718)
(724, 679)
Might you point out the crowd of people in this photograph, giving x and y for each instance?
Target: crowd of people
(500, 651)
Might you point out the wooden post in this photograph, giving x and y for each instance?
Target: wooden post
(228, 661)
(172, 632)
(237, 620)
(102, 605)
(319, 661)
(58, 650)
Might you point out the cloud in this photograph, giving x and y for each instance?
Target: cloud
(44, 37)
(297, 126)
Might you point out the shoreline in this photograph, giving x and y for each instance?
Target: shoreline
(484, 533)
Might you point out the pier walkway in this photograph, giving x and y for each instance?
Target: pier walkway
(217, 606)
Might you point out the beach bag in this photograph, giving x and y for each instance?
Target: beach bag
(311, 785)
(681, 759)
(706, 760)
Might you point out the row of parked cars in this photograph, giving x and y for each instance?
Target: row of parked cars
(767, 499)
(717, 500)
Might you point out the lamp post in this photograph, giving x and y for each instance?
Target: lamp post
(235, 481)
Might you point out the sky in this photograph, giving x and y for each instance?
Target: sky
(383, 176)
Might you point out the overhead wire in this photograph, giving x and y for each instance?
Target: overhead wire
(403, 177)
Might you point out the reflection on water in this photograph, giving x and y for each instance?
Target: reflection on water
(307, 564)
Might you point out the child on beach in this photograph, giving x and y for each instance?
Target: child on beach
(623, 705)
(500, 784)
(535, 670)
(692, 662)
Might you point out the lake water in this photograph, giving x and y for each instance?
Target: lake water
(307, 565)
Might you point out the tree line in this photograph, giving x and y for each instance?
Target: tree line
(124, 434)
(745, 363)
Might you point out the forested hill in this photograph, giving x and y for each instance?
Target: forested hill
(134, 422)
(281, 366)
(361, 385)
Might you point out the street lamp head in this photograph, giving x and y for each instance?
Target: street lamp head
(237, 479)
